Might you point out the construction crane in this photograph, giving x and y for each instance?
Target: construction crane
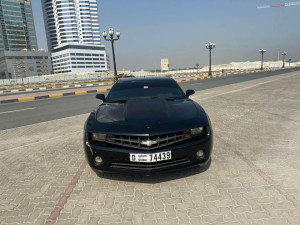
(279, 5)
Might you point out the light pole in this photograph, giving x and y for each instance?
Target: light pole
(112, 40)
(262, 51)
(210, 46)
(290, 62)
(197, 65)
(283, 56)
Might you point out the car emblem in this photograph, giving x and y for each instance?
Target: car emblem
(149, 143)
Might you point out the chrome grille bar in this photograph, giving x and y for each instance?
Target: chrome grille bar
(158, 141)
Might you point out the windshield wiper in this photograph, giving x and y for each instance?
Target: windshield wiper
(117, 101)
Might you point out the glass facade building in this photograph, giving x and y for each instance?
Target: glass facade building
(17, 31)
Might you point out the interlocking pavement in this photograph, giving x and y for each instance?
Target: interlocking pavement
(253, 178)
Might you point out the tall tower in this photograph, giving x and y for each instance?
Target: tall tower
(19, 54)
(72, 30)
(17, 30)
(73, 21)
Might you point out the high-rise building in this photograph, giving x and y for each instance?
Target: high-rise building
(71, 27)
(72, 21)
(17, 30)
(19, 54)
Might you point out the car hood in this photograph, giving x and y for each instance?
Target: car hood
(147, 116)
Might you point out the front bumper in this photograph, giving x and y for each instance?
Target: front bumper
(116, 158)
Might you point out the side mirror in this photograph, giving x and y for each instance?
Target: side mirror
(101, 97)
(189, 93)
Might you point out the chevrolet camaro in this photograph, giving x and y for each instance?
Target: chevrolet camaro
(147, 125)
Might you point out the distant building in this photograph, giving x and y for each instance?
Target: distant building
(69, 25)
(18, 64)
(19, 56)
(79, 58)
(164, 64)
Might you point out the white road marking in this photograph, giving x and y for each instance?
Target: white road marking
(18, 110)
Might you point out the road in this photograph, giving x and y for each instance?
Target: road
(24, 113)
(253, 178)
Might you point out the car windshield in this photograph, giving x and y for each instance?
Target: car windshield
(151, 88)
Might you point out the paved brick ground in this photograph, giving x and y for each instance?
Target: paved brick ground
(254, 176)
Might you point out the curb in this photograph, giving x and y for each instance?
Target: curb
(53, 88)
(200, 78)
(53, 96)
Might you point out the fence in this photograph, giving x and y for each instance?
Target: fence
(94, 77)
(54, 79)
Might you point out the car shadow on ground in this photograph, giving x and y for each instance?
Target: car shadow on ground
(157, 177)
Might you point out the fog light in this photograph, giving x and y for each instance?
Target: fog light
(98, 160)
(200, 154)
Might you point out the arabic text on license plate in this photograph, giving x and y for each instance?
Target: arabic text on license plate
(156, 157)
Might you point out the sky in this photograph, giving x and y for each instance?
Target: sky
(178, 30)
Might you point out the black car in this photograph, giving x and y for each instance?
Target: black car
(147, 125)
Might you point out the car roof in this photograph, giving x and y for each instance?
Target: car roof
(144, 79)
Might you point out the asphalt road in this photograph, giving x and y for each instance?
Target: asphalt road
(25, 113)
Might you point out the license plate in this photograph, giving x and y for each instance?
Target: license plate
(147, 158)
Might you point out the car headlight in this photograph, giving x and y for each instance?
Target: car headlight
(98, 137)
(195, 132)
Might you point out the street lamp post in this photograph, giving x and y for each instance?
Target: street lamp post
(283, 56)
(112, 40)
(197, 65)
(262, 51)
(290, 62)
(210, 46)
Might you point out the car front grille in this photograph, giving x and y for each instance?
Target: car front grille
(147, 142)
